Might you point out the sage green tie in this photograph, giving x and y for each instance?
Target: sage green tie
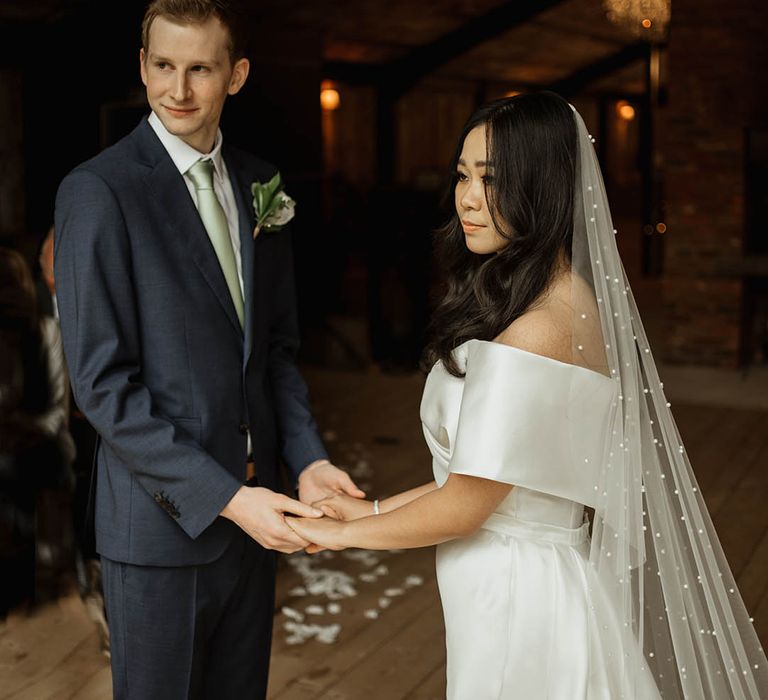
(215, 222)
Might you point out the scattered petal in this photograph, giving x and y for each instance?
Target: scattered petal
(299, 633)
(366, 557)
(327, 634)
(319, 581)
(292, 614)
(361, 470)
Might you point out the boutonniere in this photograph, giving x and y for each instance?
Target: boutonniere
(272, 206)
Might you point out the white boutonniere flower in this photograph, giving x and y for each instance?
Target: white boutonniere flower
(272, 206)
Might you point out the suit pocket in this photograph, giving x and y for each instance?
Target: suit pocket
(191, 426)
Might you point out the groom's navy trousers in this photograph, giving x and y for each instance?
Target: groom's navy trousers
(172, 383)
(221, 649)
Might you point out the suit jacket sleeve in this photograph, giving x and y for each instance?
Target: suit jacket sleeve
(300, 440)
(100, 330)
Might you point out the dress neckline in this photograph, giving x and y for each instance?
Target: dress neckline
(542, 358)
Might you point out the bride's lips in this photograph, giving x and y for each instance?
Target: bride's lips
(179, 113)
(469, 227)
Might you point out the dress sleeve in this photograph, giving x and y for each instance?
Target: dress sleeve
(531, 421)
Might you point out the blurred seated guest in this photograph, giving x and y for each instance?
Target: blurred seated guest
(56, 420)
(44, 280)
(55, 543)
(82, 434)
(35, 448)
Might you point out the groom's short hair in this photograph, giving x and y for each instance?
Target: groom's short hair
(196, 12)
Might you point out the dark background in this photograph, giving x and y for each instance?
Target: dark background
(686, 175)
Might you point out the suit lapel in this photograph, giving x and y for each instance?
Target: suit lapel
(240, 187)
(167, 186)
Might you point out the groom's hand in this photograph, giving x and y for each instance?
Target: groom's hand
(259, 512)
(322, 480)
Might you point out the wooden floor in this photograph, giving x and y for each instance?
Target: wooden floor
(381, 634)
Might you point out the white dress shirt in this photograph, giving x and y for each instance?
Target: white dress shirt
(184, 157)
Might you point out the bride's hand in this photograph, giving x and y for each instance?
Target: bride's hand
(343, 507)
(323, 533)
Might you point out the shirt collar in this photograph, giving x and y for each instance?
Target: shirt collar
(182, 154)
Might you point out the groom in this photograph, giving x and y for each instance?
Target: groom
(180, 334)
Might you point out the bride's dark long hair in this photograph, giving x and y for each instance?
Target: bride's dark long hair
(531, 142)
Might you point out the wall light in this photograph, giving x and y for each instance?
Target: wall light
(625, 110)
(329, 99)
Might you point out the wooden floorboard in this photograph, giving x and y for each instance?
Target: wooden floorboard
(51, 653)
(399, 664)
(752, 580)
(431, 687)
(371, 425)
(742, 519)
(306, 671)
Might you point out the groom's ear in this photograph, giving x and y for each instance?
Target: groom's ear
(143, 65)
(239, 75)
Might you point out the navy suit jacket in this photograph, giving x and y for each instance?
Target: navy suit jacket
(158, 361)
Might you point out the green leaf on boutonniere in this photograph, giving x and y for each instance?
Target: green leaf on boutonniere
(271, 205)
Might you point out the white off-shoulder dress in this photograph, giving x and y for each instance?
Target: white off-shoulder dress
(516, 595)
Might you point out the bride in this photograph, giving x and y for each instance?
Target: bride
(543, 400)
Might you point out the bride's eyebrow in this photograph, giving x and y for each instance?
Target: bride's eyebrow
(478, 163)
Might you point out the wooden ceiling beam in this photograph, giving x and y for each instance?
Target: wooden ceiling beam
(403, 73)
(603, 67)
(400, 74)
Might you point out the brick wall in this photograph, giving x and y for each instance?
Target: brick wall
(718, 60)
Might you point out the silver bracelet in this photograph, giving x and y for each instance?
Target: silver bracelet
(376, 510)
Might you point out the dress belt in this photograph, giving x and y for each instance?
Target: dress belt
(542, 532)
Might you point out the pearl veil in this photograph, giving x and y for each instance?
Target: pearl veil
(657, 562)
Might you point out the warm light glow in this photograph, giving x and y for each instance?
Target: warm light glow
(644, 19)
(661, 227)
(625, 110)
(511, 93)
(330, 99)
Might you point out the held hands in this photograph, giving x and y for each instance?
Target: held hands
(340, 506)
(328, 532)
(332, 491)
(260, 513)
(322, 480)
(323, 533)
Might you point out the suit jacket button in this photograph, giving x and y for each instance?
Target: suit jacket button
(158, 498)
(243, 428)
